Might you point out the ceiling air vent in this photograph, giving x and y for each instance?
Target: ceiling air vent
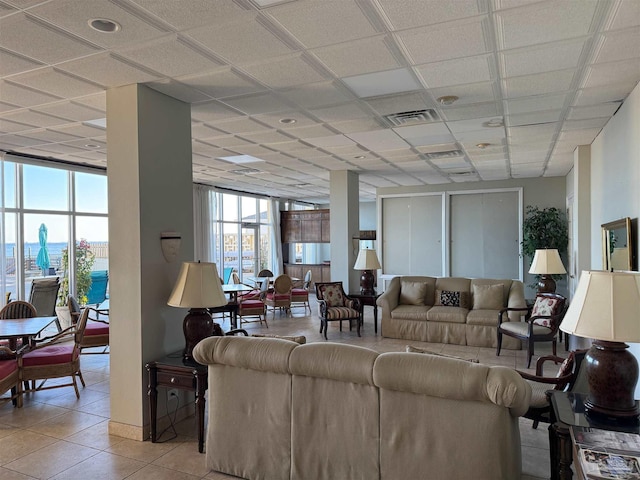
(244, 171)
(445, 154)
(416, 116)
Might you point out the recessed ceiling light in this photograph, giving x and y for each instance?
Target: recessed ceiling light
(482, 145)
(494, 123)
(288, 121)
(447, 99)
(359, 157)
(104, 25)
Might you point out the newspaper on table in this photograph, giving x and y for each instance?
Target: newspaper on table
(609, 455)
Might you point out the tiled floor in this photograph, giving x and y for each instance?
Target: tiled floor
(58, 436)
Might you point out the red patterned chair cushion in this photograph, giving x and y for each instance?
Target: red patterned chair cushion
(544, 307)
(96, 328)
(332, 295)
(251, 307)
(51, 355)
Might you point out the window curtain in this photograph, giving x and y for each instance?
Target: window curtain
(274, 220)
(202, 223)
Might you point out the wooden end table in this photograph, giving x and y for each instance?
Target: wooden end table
(369, 299)
(174, 372)
(567, 409)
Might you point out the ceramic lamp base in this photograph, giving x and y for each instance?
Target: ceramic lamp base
(197, 326)
(367, 280)
(546, 284)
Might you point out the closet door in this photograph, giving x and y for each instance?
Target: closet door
(412, 235)
(485, 235)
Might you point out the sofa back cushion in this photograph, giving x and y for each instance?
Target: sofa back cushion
(488, 297)
(332, 295)
(412, 293)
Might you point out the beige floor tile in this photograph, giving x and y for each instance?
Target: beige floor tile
(13, 447)
(70, 401)
(52, 459)
(6, 474)
(535, 462)
(185, 458)
(157, 472)
(103, 466)
(143, 451)
(31, 414)
(66, 424)
(100, 387)
(100, 407)
(96, 436)
(534, 437)
(6, 430)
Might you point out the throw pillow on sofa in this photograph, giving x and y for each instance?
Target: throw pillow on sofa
(412, 293)
(448, 298)
(412, 349)
(488, 297)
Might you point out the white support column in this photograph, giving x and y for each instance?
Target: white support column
(345, 224)
(150, 191)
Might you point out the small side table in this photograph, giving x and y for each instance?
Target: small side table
(567, 409)
(371, 301)
(174, 372)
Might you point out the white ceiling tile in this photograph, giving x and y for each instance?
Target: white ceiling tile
(585, 124)
(579, 137)
(70, 111)
(533, 118)
(171, 57)
(331, 141)
(241, 40)
(338, 112)
(360, 125)
(627, 14)
(32, 118)
(73, 16)
(536, 103)
(200, 12)
(274, 119)
(57, 83)
(97, 101)
(539, 84)
(542, 58)
(456, 72)
(425, 129)
(378, 140)
(24, 97)
(258, 103)
(382, 83)
(595, 111)
(467, 94)
(316, 24)
(430, 140)
(11, 63)
(445, 41)
(544, 22)
(106, 70)
(212, 112)
(621, 45)
(606, 93)
(50, 136)
(178, 90)
(357, 57)
(603, 74)
(79, 130)
(267, 138)
(403, 15)
(284, 72)
(478, 110)
(310, 132)
(315, 95)
(404, 102)
(222, 83)
(45, 44)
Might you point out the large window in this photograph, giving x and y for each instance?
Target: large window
(242, 235)
(42, 208)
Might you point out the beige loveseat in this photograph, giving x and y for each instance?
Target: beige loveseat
(278, 410)
(412, 310)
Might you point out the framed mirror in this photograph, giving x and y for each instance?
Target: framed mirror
(616, 245)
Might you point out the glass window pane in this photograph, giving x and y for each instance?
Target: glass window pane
(264, 211)
(46, 237)
(91, 193)
(9, 184)
(45, 188)
(9, 260)
(230, 208)
(249, 209)
(92, 255)
(231, 247)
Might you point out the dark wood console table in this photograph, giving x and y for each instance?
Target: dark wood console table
(174, 372)
(567, 409)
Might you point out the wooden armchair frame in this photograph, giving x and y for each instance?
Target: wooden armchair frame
(351, 310)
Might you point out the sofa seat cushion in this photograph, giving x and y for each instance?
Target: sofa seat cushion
(522, 328)
(410, 312)
(447, 314)
(483, 317)
(336, 313)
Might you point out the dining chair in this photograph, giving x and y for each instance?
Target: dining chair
(279, 298)
(300, 295)
(10, 376)
(57, 356)
(13, 310)
(253, 306)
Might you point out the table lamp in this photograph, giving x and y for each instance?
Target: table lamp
(546, 262)
(367, 261)
(606, 307)
(197, 288)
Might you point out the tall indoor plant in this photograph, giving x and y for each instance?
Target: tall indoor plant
(85, 259)
(544, 228)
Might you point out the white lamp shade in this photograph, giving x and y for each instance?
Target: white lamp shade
(198, 286)
(367, 260)
(547, 262)
(605, 306)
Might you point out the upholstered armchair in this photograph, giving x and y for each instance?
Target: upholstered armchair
(96, 332)
(541, 323)
(335, 305)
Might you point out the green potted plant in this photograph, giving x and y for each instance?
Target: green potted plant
(85, 259)
(544, 228)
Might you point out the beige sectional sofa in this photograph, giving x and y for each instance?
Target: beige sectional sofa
(412, 309)
(278, 410)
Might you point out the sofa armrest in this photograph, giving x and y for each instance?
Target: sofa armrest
(391, 296)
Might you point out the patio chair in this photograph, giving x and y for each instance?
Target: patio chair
(96, 332)
(13, 310)
(44, 295)
(98, 290)
(54, 357)
(10, 376)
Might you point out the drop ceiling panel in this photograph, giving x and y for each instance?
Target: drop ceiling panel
(602, 74)
(602, 110)
(533, 118)
(200, 12)
(627, 15)
(467, 94)
(378, 140)
(534, 104)
(607, 93)
(284, 72)
(46, 44)
(11, 63)
(403, 15)
(382, 83)
(539, 84)
(70, 111)
(56, 83)
(404, 102)
(317, 94)
(478, 110)
(182, 92)
(338, 112)
(222, 83)
(456, 72)
(212, 112)
(106, 70)
(445, 41)
(24, 97)
(621, 45)
(32, 118)
(543, 58)
(316, 24)
(258, 103)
